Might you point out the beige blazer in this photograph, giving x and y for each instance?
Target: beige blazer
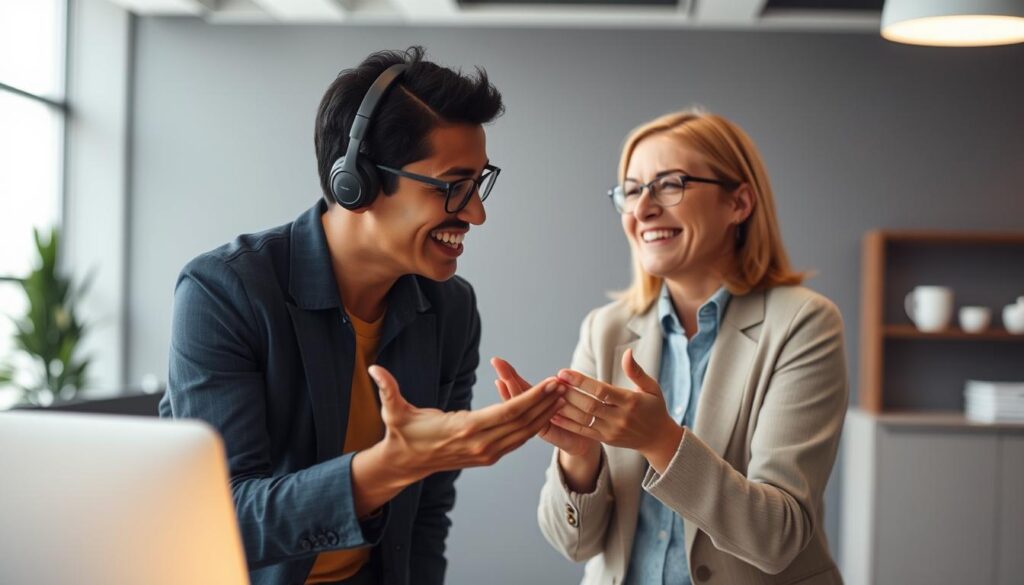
(748, 478)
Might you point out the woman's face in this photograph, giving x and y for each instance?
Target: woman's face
(694, 237)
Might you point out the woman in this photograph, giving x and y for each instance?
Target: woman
(711, 395)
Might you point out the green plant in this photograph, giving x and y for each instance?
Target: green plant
(49, 334)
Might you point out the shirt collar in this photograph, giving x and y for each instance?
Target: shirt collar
(710, 313)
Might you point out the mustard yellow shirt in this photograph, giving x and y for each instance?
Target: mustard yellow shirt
(365, 427)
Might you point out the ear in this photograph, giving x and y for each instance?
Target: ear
(743, 202)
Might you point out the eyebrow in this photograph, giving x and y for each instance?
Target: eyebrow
(662, 174)
(462, 171)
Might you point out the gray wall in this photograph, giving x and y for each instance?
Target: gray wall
(857, 134)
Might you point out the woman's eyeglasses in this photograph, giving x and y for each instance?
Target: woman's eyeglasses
(666, 190)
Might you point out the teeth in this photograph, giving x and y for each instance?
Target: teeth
(452, 240)
(655, 235)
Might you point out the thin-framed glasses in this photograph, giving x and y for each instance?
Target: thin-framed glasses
(666, 189)
(457, 193)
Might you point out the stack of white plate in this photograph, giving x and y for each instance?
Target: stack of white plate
(992, 402)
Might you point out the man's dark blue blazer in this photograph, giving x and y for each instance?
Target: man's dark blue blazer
(261, 348)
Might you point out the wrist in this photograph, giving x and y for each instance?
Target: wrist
(405, 463)
(580, 471)
(385, 466)
(662, 449)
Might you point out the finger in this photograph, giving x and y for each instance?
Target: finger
(530, 415)
(513, 440)
(390, 397)
(576, 415)
(583, 401)
(638, 375)
(595, 388)
(506, 372)
(575, 427)
(502, 390)
(502, 413)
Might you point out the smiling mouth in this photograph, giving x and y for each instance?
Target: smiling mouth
(448, 238)
(659, 235)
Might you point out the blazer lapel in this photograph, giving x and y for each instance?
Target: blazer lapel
(629, 467)
(413, 360)
(725, 382)
(728, 370)
(326, 348)
(326, 343)
(408, 344)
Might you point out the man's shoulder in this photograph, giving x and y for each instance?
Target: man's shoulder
(245, 256)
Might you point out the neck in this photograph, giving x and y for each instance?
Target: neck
(693, 288)
(363, 282)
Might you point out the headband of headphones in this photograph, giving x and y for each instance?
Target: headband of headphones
(368, 107)
(353, 183)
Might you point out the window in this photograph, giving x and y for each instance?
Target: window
(32, 115)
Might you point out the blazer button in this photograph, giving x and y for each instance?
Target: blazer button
(703, 573)
(571, 520)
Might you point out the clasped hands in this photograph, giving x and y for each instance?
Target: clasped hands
(571, 411)
(594, 412)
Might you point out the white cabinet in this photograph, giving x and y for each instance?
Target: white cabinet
(928, 498)
(1010, 555)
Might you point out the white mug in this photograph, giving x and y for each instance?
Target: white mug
(1013, 318)
(930, 307)
(975, 319)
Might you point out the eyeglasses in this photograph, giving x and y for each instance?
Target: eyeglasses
(458, 193)
(666, 190)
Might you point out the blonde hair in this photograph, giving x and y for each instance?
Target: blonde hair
(762, 261)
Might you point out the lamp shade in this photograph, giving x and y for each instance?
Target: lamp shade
(954, 23)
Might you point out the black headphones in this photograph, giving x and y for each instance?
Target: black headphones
(354, 180)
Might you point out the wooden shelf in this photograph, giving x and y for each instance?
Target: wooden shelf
(880, 362)
(941, 419)
(953, 333)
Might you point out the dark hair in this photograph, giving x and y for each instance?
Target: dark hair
(425, 96)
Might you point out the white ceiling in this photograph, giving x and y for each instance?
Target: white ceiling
(707, 14)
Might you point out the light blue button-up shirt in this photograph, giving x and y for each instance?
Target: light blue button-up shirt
(659, 548)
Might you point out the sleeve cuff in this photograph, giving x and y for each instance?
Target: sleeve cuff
(357, 533)
(685, 476)
(583, 503)
(654, 482)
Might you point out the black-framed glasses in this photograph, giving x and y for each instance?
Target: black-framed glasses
(457, 193)
(666, 189)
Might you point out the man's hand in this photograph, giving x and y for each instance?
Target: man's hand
(511, 385)
(421, 441)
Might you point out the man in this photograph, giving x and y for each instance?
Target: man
(274, 335)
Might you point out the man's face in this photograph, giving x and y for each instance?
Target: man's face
(410, 226)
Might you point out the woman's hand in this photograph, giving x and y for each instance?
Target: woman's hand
(635, 419)
(510, 384)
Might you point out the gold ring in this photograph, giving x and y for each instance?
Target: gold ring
(593, 419)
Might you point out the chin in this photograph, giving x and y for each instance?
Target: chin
(437, 273)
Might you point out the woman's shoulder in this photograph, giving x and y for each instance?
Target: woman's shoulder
(787, 303)
(615, 314)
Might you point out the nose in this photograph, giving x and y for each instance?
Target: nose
(646, 207)
(473, 212)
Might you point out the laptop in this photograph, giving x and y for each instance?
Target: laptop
(93, 499)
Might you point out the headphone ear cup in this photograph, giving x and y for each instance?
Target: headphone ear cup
(370, 180)
(346, 188)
